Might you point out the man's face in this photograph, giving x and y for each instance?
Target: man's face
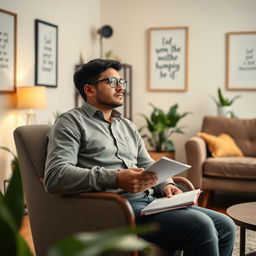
(107, 96)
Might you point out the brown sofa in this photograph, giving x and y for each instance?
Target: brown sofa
(236, 174)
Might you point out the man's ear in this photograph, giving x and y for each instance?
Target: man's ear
(89, 90)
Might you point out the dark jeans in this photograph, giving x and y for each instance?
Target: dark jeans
(195, 230)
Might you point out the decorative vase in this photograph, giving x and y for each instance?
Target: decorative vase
(156, 155)
(224, 111)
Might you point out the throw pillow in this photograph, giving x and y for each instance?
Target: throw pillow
(222, 145)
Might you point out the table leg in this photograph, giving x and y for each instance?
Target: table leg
(242, 241)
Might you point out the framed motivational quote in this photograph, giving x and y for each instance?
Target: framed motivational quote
(46, 54)
(241, 61)
(168, 59)
(8, 39)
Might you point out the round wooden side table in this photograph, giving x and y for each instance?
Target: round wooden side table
(244, 215)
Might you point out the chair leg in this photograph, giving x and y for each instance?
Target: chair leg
(205, 198)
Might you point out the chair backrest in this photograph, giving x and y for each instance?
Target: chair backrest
(31, 145)
(241, 130)
(32, 142)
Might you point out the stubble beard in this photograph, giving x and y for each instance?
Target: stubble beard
(110, 104)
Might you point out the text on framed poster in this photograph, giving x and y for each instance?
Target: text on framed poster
(168, 59)
(8, 26)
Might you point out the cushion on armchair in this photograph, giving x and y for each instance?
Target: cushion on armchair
(222, 145)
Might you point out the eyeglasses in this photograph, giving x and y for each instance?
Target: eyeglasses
(112, 81)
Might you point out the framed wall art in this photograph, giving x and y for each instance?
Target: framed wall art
(46, 54)
(8, 41)
(241, 61)
(168, 59)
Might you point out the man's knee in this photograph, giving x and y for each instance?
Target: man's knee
(203, 227)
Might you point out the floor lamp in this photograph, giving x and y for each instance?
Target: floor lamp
(31, 97)
(105, 31)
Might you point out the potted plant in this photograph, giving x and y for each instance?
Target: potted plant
(161, 126)
(224, 104)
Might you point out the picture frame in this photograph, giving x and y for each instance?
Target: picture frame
(241, 61)
(168, 59)
(8, 51)
(46, 54)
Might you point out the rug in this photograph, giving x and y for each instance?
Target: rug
(250, 242)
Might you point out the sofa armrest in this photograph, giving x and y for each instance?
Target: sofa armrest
(196, 155)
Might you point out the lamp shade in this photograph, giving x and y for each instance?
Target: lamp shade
(32, 97)
(105, 31)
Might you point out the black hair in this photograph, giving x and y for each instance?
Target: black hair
(91, 71)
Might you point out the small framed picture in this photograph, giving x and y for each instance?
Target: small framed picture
(168, 59)
(8, 41)
(241, 61)
(46, 54)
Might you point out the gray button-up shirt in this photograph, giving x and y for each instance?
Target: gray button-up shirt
(85, 152)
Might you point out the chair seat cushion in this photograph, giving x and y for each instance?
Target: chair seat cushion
(231, 167)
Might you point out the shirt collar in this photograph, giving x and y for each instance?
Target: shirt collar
(91, 111)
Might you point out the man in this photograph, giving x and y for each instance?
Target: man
(92, 148)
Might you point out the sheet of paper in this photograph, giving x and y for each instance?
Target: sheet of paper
(166, 168)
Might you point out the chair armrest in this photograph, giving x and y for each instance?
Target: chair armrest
(106, 197)
(57, 216)
(196, 155)
(183, 183)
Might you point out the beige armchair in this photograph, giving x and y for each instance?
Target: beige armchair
(53, 217)
(236, 174)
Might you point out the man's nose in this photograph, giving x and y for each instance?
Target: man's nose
(120, 87)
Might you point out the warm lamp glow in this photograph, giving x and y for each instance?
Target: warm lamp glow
(31, 97)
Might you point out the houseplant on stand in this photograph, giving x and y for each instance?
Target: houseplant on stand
(224, 104)
(161, 126)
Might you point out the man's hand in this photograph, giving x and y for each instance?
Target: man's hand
(171, 190)
(134, 180)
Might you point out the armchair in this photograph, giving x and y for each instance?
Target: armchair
(53, 217)
(237, 174)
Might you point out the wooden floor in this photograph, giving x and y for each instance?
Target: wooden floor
(26, 232)
(218, 202)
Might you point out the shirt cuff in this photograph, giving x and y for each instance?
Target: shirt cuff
(159, 189)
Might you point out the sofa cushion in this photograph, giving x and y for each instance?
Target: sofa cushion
(222, 145)
(241, 130)
(230, 167)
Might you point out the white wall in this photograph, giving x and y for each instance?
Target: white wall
(208, 22)
(77, 22)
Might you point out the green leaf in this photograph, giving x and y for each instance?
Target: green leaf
(96, 244)
(236, 97)
(169, 146)
(223, 101)
(13, 197)
(217, 102)
(8, 150)
(23, 249)
(7, 231)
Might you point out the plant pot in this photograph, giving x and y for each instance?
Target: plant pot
(156, 155)
(224, 111)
